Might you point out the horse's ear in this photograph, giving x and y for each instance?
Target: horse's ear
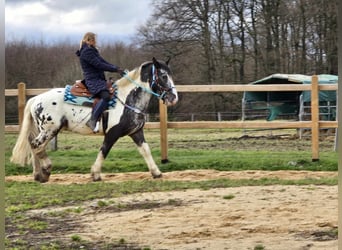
(156, 63)
(168, 60)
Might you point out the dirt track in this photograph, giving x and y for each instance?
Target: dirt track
(275, 217)
(190, 175)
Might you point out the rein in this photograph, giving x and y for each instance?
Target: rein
(144, 88)
(134, 109)
(138, 85)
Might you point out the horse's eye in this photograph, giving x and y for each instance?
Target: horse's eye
(164, 77)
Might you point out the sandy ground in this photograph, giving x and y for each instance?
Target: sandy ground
(275, 217)
(188, 175)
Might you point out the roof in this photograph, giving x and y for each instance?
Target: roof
(296, 78)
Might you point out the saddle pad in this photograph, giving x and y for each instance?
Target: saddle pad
(84, 100)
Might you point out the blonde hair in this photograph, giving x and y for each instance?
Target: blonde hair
(89, 36)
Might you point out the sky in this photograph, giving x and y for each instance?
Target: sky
(54, 21)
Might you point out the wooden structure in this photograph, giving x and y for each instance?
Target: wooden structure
(314, 124)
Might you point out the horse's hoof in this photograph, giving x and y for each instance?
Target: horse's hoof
(158, 176)
(44, 180)
(40, 178)
(96, 177)
(37, 177)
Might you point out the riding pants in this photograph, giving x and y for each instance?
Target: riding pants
(101, 105)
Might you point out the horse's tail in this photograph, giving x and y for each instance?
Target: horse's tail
(21, 153)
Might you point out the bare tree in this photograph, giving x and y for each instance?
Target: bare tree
(209, 42)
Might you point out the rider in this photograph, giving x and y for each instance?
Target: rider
(94, 66)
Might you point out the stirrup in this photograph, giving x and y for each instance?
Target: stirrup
(93, 125)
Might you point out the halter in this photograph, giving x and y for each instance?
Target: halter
(150, 91)
(153, 82)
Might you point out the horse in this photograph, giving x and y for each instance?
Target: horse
(46, 114)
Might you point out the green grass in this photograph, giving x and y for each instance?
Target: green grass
(229, 197)
(129, 160)
(188, 149)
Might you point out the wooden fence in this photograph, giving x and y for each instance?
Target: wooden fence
(315, 124)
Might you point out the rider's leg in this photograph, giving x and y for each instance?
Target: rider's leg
(101, 106)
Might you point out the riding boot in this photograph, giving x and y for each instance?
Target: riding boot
(91, 123)
(97, 112)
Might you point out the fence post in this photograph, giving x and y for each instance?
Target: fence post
(21, 102)
(219, 116)
(163, 131)
(315, 118)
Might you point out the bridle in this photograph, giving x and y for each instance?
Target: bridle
(154, 83)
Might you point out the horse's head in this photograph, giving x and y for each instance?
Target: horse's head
(158, 74)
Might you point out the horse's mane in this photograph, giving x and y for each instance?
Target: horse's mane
(133, 74)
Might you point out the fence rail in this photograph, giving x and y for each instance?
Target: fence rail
(315, 124)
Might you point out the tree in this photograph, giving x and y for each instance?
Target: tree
(208, 41)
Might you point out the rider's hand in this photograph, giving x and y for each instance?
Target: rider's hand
(123, 72)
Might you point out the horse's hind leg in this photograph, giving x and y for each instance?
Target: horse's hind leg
(145, 151)
(41, 162)
(41, 166)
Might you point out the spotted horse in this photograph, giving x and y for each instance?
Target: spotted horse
(46, 114)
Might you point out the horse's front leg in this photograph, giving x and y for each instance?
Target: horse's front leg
(96, 167)
(110, 138)
(145, 151)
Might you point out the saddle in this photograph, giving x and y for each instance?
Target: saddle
(78, 94)
(80, 89)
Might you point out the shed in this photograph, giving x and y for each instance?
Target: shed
(289, 103)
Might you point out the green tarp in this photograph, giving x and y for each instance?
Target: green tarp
(287, 102)
(324, 96)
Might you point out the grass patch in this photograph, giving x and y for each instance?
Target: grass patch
(188, 149)
(229, 197)
(259, 247)
(76, 237)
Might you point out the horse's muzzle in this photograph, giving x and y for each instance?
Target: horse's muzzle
(171, 98)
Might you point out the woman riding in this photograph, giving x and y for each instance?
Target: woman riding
(93, 67)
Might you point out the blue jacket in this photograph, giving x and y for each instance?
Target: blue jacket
(94, 66)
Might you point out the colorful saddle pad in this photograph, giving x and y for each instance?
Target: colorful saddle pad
(85, 100)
